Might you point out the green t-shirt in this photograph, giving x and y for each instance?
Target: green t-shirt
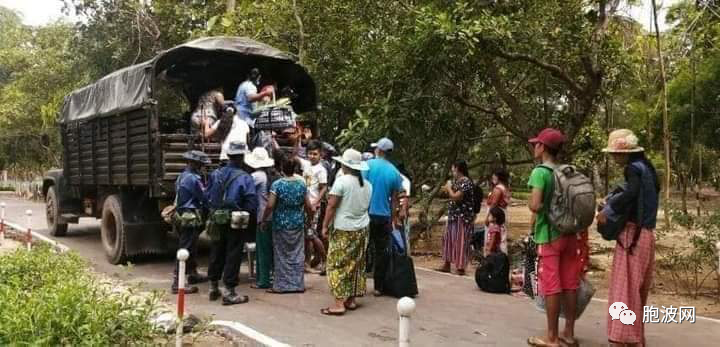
(542, 178)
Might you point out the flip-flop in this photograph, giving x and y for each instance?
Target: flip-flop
(568, 342)
(326, 311)
(539, 341)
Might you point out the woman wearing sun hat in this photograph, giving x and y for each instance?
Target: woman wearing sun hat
(260, 161)
(634, 257)
(348, 204)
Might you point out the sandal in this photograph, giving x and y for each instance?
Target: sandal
(568, 342)
(460, 272)
(539, 341)
(328, 312)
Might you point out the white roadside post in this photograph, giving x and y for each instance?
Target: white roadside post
(28, 214)
(405, 307)
(182, 256)
(2, 222)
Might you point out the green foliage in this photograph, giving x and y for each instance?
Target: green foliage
(49, 299)
(690, 267)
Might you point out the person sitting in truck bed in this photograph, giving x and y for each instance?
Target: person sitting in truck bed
(208, 110)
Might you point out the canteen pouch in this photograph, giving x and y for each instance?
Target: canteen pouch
(220, 217)
(189, 219)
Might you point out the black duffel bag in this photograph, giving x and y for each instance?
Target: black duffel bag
(493, 274)
(400, 278)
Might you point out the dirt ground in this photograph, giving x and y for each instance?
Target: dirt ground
(426, 253)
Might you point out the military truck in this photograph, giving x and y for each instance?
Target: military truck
(123, 137)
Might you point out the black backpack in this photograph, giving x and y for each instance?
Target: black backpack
(493, 275)
(477, 198)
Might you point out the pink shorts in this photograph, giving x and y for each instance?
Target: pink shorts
(559, 265)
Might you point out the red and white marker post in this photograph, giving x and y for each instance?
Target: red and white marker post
(182, 256)
(28, 215)
(2, 222)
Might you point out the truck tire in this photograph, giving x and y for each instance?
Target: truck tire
(112, 230)
(52, 212)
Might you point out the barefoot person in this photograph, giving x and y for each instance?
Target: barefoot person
(348, 204)
(559, 264)
(634, 258)
(461, 215)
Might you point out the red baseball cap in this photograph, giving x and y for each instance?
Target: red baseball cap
(550, 137)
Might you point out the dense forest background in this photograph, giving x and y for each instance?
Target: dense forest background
(444, 79)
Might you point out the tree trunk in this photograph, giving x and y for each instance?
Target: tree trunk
(301, 33)
(230, 6)
(666, 126)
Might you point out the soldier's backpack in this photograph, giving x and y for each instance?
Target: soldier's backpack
(572, 207)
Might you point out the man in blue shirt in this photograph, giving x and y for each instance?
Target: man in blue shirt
(387, 183)
(230, 189)
(189, 208)
(247, 94)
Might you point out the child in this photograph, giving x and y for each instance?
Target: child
(316, 180)
(495, 231)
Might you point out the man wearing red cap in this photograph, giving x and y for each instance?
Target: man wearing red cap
(559, 263)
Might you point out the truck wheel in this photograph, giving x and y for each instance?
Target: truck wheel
(52, 212)
(112, 230)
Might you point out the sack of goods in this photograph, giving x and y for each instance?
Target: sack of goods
(493, 275)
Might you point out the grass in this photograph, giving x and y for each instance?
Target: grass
(50, 299)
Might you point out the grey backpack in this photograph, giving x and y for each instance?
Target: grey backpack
(572, 207)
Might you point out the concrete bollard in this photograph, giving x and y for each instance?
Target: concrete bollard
(405, 308)
(182, 256)
(2, 222)
(28, 215)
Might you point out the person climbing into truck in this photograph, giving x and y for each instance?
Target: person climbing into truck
(190, 206)
(247, 94)
(231, 190)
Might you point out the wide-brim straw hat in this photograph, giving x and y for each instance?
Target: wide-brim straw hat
(259, 158)
(352, 159)
(623, 141)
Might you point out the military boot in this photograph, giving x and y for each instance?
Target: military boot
(230, 297)
(214, 291)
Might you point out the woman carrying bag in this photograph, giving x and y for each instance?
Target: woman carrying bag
(634, 258)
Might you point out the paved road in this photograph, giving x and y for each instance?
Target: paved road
(450, 310)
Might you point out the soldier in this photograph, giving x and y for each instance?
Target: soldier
(231, 189)
(190, 206)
